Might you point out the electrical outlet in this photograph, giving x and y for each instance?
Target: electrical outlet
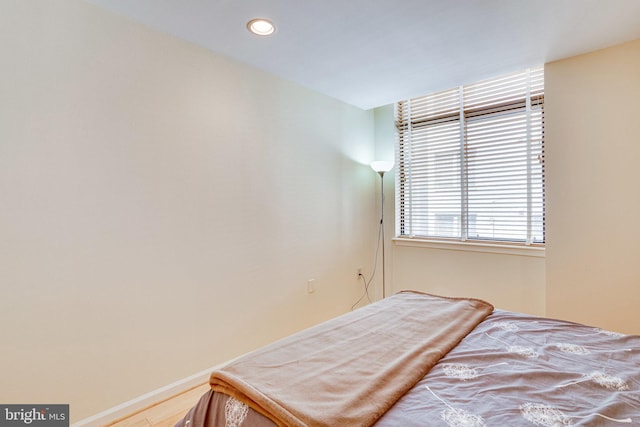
(311, 286)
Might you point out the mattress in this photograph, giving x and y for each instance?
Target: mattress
(508, 369)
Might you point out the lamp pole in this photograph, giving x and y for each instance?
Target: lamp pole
(382, 228)
(381, 167)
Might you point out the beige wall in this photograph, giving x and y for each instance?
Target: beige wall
(592, 134)
(161, 207)
(509, 282)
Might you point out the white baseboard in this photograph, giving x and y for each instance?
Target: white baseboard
(148, 399)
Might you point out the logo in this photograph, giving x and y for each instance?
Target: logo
(34, 415)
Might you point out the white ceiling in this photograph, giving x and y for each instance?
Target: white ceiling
(374, 52)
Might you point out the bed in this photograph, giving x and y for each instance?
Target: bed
(415, 359)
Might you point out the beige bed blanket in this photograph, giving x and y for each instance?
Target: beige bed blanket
(350, 370)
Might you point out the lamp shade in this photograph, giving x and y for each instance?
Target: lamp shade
(382, 165)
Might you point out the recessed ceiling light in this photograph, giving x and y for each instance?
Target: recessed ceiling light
(261, 27)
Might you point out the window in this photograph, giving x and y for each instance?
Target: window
(471, 162)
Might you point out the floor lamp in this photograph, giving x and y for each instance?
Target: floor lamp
(382, 166)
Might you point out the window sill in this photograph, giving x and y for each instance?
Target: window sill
(487, 247)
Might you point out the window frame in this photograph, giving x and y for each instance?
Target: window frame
(463, 116)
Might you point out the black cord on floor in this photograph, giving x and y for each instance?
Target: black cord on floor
(373, 274)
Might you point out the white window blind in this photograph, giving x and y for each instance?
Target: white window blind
(471, 162)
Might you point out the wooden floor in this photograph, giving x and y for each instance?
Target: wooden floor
(165, 413)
